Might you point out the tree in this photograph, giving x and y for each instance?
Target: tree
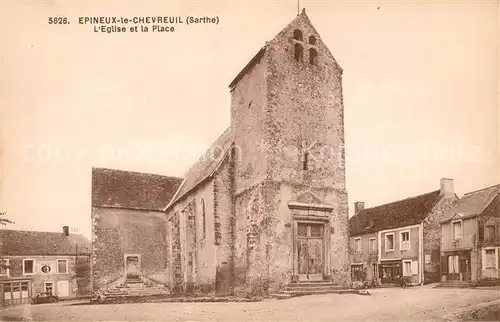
(4, 221)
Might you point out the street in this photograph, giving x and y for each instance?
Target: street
(419, 303)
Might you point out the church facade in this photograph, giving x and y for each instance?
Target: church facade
(266, 205)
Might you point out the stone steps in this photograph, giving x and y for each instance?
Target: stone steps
(455, 284)
(310, 288)
(135, 288)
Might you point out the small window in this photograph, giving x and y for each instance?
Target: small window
(489, 255)
(204, 218)
(45, 269)
(62, 266)
(49, 287)
(305, 164)
(28, 266)
(313, 57)
(489, 233)
(404, 240)
(357, 245)
(457, 230)
(389, 242)
(373, 245)
(4, 267)
(297, 34)
(312, 40)
(299, 52)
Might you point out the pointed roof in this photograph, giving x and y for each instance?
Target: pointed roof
(205, 167)
(474, 203)
(24, 242)
(135, 190)
(256, 58)
(406, 212)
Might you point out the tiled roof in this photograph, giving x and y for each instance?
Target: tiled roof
(406, 212)
(21, 242)
(205, 166)
(127, 189)
(473, 203)
(493, 209)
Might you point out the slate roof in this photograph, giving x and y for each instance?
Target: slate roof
(24, 243)
(127, 189)
(406, 212)
(493, 209)
(474, 203)
(205, 167)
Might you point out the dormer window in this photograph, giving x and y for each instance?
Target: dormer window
(313, 57)
(299, 52)
(297, 34)
(312, 40)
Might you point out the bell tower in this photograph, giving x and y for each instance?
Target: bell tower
(287, 121)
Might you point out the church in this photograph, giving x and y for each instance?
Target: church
(265, 207)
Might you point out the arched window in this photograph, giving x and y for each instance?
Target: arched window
(297, 34)
(204, 218)
(313, 56)
(299, 52)
(312, 40)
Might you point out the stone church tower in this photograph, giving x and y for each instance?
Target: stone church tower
(291, 205)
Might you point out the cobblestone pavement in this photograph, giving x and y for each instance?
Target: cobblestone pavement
(419, 303)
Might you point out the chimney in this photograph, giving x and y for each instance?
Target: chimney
(66, 230)
(446, 187)
(358, 206)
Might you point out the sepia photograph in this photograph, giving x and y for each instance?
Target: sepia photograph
(232, 160)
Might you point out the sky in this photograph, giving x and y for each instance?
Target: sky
(420, 88)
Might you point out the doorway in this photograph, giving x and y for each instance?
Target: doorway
(63, 288)
(310, 251)
(132, 266)
(453, 268)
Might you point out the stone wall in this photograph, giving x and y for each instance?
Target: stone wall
(432, 239)
(223, 230)
(202, 225)
(116, 232)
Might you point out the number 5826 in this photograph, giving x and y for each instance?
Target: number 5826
(58, 21)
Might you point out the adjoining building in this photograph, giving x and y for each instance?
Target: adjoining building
(470, 240)
(400, 239)
(129, 227)
(36, 261)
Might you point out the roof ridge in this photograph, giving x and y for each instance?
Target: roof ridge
(479, 190)
(137, 172)
(201, 156)
(41, 231)
(176, 197)
(399, 200)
